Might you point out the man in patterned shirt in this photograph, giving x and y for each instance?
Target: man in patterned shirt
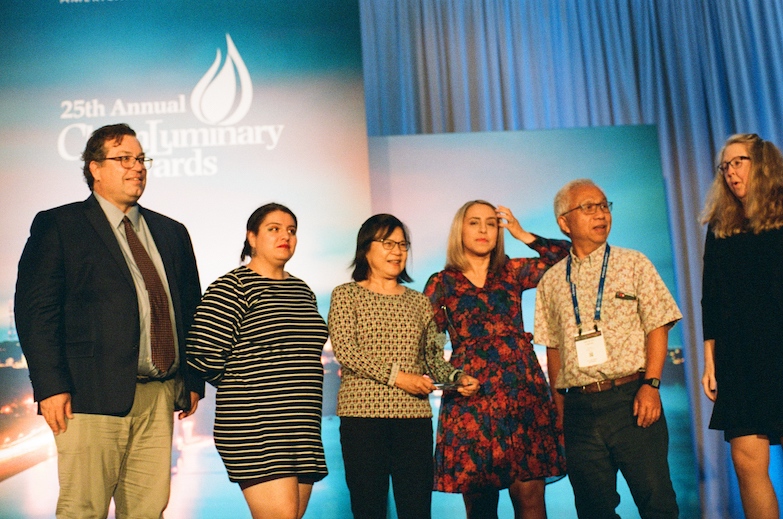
(604, 315)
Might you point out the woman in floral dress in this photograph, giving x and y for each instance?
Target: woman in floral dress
(506, 435)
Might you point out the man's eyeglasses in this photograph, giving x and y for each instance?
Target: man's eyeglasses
(735, 163)
(591, 208)
(128, 162)
(389, 244)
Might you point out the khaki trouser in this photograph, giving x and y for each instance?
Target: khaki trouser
(128, 458)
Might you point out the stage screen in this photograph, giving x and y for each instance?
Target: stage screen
(238, 103)
(424, 179)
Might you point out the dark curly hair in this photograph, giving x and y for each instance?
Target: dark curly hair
(95, 151)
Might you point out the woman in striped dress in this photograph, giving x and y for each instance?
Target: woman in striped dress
(257, 336)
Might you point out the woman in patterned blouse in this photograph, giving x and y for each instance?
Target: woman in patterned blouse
(383, 335)
(507, 435)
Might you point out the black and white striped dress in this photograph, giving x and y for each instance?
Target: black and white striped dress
(259, 341)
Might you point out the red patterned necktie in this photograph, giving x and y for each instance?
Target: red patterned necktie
(161, 334)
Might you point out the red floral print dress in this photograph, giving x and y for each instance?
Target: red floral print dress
(508, 430)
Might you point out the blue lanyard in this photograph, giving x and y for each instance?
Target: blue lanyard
(599, 299)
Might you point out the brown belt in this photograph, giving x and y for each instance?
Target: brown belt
(143, 379)
(603, 385)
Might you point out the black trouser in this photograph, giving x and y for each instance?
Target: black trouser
(601, 436)
(376, 448)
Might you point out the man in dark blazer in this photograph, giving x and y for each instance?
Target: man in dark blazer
(90, 330)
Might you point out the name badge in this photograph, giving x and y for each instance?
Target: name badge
(590, 349)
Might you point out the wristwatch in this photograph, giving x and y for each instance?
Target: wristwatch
(654, 382)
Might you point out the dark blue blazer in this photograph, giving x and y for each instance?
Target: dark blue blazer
(76, 310)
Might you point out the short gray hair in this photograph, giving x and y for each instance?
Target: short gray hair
(563, 197)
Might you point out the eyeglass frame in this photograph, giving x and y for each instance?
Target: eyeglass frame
(723, 167)
(403, 245)
(605, 207)
(146, 162)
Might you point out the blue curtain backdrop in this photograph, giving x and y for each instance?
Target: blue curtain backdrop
(700, 70)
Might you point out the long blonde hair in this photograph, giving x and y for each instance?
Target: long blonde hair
(763, 209)
(455, 249)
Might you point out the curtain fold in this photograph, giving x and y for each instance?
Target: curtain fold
(699, 70)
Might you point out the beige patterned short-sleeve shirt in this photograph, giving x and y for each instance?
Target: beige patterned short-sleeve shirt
(635, 302)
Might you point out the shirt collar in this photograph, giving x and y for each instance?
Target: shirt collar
(115, 216)
(597, 256)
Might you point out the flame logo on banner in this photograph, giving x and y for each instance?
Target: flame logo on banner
(215, 94)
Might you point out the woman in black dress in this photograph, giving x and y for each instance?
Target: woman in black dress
(742, 311)
(257, 336)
